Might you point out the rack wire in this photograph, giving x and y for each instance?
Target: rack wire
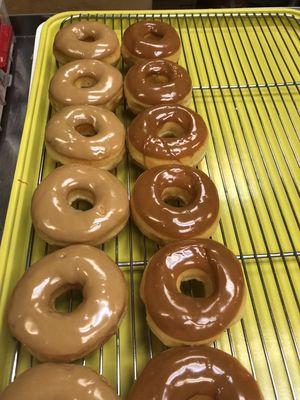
(245, 73)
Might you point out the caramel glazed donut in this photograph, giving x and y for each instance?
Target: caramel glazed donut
(58, 223)
(89, 82)
(86, 39)
(178, 319)
(194, 373)
(164, 134)
(54, 336)
(146, 40)
(156, 82)
(59, 381)
(86, 135)
(163, 222)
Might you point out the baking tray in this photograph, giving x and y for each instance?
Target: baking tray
(244, 66)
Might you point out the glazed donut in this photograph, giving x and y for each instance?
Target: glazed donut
(167, 133)
(156, 82)
(58, 223)
(86, 39)
(86, 135)
(59, 381)
(190, 373)
(177, 319)
(196, 218)
(51, 335)
(89, 82)
(146, 40)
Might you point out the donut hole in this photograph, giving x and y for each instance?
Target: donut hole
(81, 200)
(86, 36)
(176, 197)
(171, 130)
(153, 36)
(67, 299)
(158, 78)
(195, 283)
(86, 129)
(85, 82)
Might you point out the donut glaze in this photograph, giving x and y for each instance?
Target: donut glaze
(66, 144)
(59, 381)
(53, 336)
(163, 222)
(195, 373)
(83, 82)
(147, 40)
(149, 146)
(57, 222)
(179, 319)
(86, 39)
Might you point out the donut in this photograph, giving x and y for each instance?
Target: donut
(89, 82)
(59, 381)
(86, 40)
(156, 82)
(58, 223)
(197, 217)
(54, 336)
(146, 40)
(189, 373)
(167, 133)
(86, 135)
(177, 319)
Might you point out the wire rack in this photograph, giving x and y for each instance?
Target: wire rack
(245, 73)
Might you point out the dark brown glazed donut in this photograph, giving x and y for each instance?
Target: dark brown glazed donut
(156, 82)
(178, 319)
(188, 373)
(147, 40)
(167, 133)
(197, 218)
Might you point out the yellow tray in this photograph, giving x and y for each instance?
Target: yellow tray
(244, 66)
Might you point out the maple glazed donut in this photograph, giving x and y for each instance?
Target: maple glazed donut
(86, 39)
(58, 223)
(86, 134)
(194, 373)
(178, 319)
(162, 222)
(167, 133)
(146, 40)
(51, 335)
(59, 381)
(89, 82)
(156, 82)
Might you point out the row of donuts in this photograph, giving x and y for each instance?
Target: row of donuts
(70, 136)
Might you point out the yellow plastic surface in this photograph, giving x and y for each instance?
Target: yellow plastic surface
(244, 68)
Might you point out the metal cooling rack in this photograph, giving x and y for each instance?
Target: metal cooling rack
(246, 86)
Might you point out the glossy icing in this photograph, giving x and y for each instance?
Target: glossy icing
(62, 136)
(55, 336)
(151, 39)
(85, 39)
(59, 381)
(192, 219)
(142, 83)
(144, 132)
(182, 373)
(58, 222)
(193, 319)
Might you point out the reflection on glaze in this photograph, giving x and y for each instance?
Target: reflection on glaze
(185, 372)
(151, 39)
(59, 381)
(58, 222)
(142, 84)
(62, 136)
(177, 223)
(51, 335)
(107, 84)
(185, 318)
